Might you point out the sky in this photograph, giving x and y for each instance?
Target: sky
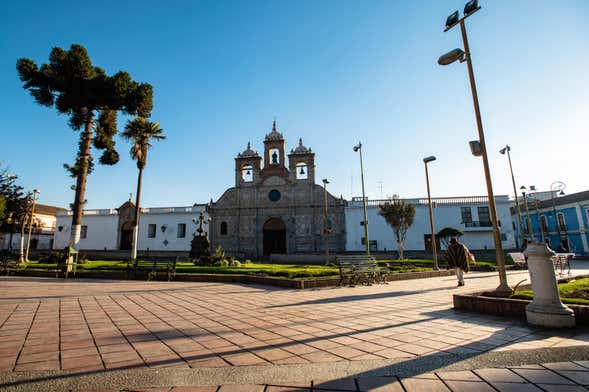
(331, 72)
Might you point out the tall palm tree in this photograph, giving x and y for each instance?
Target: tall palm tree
(140, 131)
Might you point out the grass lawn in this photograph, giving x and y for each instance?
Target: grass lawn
(274, 270)
(574, 292)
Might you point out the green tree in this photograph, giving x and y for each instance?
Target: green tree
(17, 204)
(448, 232)
(399, 215)
(91, 99)
(139, 132)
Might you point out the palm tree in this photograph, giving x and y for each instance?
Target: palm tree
(140, 131)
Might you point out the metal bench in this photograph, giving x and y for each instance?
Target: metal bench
(561, 263)
(152, 268)
(359, 269)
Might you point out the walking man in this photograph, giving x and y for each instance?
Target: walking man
(457, 257)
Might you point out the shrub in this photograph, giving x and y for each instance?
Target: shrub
(222, 263)
(247, 261)
(235, 263)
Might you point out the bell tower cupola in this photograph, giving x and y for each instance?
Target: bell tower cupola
(274, 155)
(301, 163)
(248, 167)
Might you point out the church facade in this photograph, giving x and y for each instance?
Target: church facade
(275, 206)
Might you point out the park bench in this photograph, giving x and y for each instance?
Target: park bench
(359, 269)
(519, 259)
(561, 263)
(152, 268)
(8, 263)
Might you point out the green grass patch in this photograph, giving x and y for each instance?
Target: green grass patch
(574, 292)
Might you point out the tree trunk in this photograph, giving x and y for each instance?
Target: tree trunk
(21, 255)
(10, 240)
(137, 210)
(401, 250)
(84, 153)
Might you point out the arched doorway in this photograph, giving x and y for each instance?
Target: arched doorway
(126, 235)
(274, 236)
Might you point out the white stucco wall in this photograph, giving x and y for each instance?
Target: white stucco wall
(444, 216)
(103, 229)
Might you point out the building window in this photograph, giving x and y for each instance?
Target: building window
(503, 237)
(247, 173)
(544, 223)
(223, 228)
(84, 231)
(466, 214)
(301, 171)
(561, 222)
(181, 230)
(484, 216)
(151, 230)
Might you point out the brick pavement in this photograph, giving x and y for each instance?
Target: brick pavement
(86, 325)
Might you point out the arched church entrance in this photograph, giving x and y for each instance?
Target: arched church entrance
(274, 236)
(126, 235)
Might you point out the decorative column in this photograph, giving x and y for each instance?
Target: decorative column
(546, 310)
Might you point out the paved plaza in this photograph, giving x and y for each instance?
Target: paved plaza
(168, 334)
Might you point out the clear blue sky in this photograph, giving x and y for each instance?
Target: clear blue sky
(331, 72)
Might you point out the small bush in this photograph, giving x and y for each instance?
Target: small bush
(247, 261)
(235, 263)
(222, 263)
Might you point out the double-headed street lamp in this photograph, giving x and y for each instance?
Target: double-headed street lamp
(530, 230)
(431, 213)
(479, 146)
(557, 187)
(358, 148)
(506, 150)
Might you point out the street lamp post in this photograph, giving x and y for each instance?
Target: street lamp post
(35, 192)
(431, 213)
(358, 148)
(326, 224)
(555, 187)
(530, 230)
(507, 150)
(464, 55)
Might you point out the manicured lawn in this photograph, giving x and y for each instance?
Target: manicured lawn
(574, 292)
(276, 270)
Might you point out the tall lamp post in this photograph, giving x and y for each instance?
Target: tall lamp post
(479, 146)
(503, 151)
(35, 193)
(326, 222)
(358, 148)
(557, 186)
(431, 213)
(530, 231)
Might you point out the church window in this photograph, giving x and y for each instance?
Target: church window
(247, 173)
(274, 156)
(223, 228)
(274, 195)
(302, 171)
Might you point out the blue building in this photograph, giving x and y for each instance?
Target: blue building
(557, 220)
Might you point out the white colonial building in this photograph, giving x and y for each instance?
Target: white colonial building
(468, 214)
(44, 223)
(160, 229)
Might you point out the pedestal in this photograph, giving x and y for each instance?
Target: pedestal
(546, 310)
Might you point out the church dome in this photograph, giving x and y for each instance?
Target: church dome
(274, 135)
(301, 149)
(248, 152)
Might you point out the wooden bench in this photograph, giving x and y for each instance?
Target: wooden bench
(8, 263)
(152, 267)
(359, 269)
(519, 259)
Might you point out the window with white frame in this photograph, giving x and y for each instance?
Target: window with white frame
(561, 222)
